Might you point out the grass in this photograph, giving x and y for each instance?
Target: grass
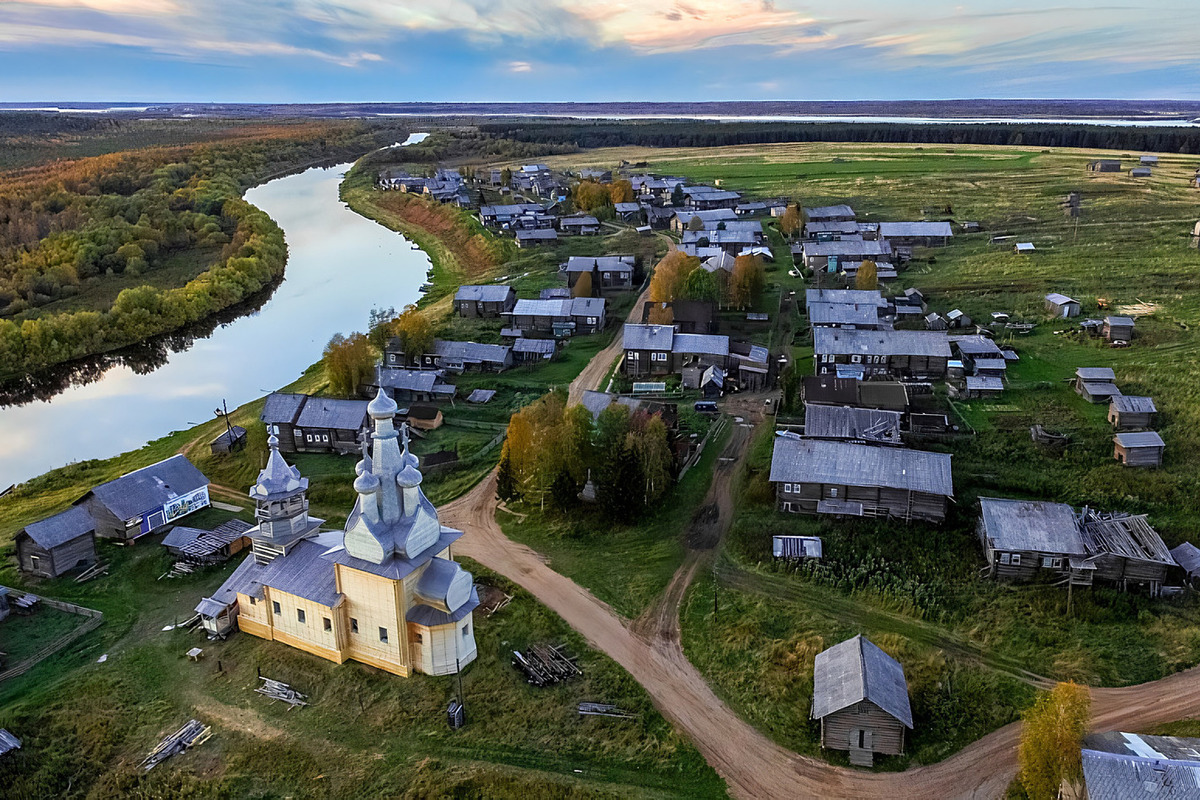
(24, 635)
(366, 733)
(625, 566)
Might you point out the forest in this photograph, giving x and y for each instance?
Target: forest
(67, 227)
(694, 133)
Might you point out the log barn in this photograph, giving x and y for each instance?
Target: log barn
(146, 500)
(813, 476)
(1144, 449)
(861, 698)
(1127, 412)
(57, 544)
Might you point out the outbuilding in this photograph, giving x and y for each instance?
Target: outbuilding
(146, 500)
(1059, 305)
(1144, 449)
(1096, 384)
(1104, 165)
(861, 698)
(1140, 172)
(484, 301)
(1127, 412)
(1117, 329)
(57, 544)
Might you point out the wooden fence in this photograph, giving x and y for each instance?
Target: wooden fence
(94, 620)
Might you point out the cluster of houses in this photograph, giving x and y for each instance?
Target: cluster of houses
(705, 361)
(143, 502)
(1142, 170)
(446, 185)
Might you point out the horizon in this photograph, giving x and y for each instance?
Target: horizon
(302, 52)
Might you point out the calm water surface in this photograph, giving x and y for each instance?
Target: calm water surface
(340, 266)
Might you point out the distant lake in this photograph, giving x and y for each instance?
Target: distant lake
(1139, 123)
(340, 266)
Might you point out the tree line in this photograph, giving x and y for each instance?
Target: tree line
(695, 133)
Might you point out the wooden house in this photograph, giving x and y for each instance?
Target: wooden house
(814, 476)
(384, 591)
(1096, 384)
(826, 255)
(838, 213)
(146, 500)
(912, 234)
(57, 544)
(657, 350)
(561, 318)
(581, 225)
(1059, 305)
(628, 212)
(1127, 412)
(533, 351)
(1117, 329)
(1104, 165)
(1144, 449)
(608, 272)
(1149, 161)
(861, 698)
(413, 385)
(279, 414)
(532, 238)
(230, 440)
(882, 354)
(484, 301)
(330, 425)
(1024, 539)
(688, 316)
(458, 357)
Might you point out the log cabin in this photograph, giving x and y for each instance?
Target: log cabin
(1127, 412)
(57, 544)
(484, 301)
(1143, 449)
(813, 476)
(882, 354)
(861, 698)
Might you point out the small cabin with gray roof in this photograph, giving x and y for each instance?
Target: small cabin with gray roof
(1117, 329)
(924, 234)
(459, 357)
(660, 350)
(280, 414)
(146, 500)
(838, 213)
(57, 544)
(1096, 384)
(860, 696)
(561, 317)
(484, 301)
(1144, 449)
(1128, 413)
(813, 476)
(1059, 305)
(608, 272)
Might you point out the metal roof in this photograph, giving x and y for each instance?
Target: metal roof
(472, 351)
(282, 407)
(1095, 374)
(716, 237)
(1060, 299)
(1129, 404)
(700, 344)
(837, 341)
(587, 307)
(975, 345)
(685, 217)
(844, 247)
(858, 296)
(848, 464)
(8, 742)
(61, 528)
(481, 395)
(997, 363)
(150, 487)
(831, 226)
(1164, 767)
(825, 212)
(1141, 439)
(540, 346)
(647, 337)
(1119, 321)
(578, 220)
(844, 422)
(625, 208)
(983, 383)
(484, 294)
(537, 233)
(857, 670)
(560, 307)
(409, 380)
(595, 402)
(843, 314)
(429, 617)
(1187, 555)
(333, 413)
(915, 229)
(1031, 525)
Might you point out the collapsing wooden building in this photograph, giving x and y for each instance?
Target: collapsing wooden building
(813, 476)
(861, 698)
(1023, 539)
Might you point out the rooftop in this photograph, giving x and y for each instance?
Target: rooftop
(857, 670)
(848, 464)
(838, 341)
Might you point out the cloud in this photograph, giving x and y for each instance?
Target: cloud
(520, 66)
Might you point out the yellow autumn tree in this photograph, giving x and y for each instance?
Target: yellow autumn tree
(1054, 728)
(747, 281)
(591, 196)
(789, 223)
(415, 330)
(621, 192)
(867, 277)
(669, 275)
(583, 285)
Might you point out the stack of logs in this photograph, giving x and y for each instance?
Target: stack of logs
(546, 665)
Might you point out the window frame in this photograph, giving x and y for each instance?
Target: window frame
(383, 634)
(353, 625)
(276, 608)
(328, 624)
(301, 617)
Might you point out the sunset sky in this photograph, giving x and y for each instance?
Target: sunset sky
(545, 50)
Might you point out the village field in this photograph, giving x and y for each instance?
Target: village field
(974, 650)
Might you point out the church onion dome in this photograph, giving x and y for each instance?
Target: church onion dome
(409, 477)
(445, 585)
(366, 483)
(383, 406)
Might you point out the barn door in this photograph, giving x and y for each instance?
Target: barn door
(861, 739)
(155, 520)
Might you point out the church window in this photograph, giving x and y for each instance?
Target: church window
(253, 601)
(275, 607)
(466, 631)
(353, 625)
(300, 615)
(383, 635)
(419, 639)
(328, 624)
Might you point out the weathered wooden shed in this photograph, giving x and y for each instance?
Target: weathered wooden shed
(984, 386)
(231, 439)
(1127, 412)
(1117, 329)
(1144, 449)
(1096, 384)
(861, 698)
(279, 415)
(57, 544)
(1187, 556)
(208, 547)
(484, 301)
(851, 424)
(1059, 305)
(1104, 165)
(814, 476)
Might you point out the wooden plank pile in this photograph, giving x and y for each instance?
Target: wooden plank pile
(179, 568)
(277, 690)
(193, 732)
(94, 571)
(605, 710)
(546, 665)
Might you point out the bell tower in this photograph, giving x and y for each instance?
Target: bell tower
(281, 508)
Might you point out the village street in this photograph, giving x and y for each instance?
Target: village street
(755, 767)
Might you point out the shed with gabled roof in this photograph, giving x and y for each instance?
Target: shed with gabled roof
(1117, 329)
(861, 698)
(57, 544)
(146, 500)
(484, 301)
(1143, 449)
(1128, 412)
(1059, 305)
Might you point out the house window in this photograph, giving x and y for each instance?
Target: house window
(308, 437)
(606, 276)
(833, 492)
(591, 321)
(383, 635)
(856, 359)
(300, 616)
(325, 438)
(328, 624)
(1005, 558)
(275, 607)
(34, 562)
(1016, 559)
(353, 625)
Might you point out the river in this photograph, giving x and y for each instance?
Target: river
(340, 266)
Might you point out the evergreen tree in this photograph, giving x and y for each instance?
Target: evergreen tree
(506, 481)
(677, 195)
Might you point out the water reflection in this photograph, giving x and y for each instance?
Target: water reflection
(340, 265)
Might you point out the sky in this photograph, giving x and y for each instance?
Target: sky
(586, 50)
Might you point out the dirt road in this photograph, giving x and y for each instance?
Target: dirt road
(600, 364)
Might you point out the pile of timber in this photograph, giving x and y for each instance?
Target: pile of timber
(604, 710)
(1043, 436)
(194, 732)
(94, 571)
(25, 603)
(277, 690)
(546, 665)
(177, 569)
